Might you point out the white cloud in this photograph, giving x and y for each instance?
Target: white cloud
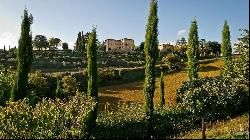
(181, 33)
(7, 39)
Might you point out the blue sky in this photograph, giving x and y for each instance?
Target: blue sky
(122, 18)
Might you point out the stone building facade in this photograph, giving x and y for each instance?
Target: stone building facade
(162, 47)
(122, 45)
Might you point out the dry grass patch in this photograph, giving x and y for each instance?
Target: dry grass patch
(133, 92)
(236, 128)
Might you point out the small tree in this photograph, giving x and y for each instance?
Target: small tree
(24, 59)
(226, 49)
(53, 43)
(81, 41)
(151, 54)
(40, 42)
(65, 46)
(92, 80)
(193, 51)
(59, 90)
(161, 86)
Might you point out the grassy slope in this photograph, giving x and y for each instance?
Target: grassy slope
(236, 128)
(133, 92)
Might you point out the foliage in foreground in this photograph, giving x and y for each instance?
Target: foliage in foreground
(48, 119)
(129, 122)
(237, 128)
(6, 82)
(214, 98)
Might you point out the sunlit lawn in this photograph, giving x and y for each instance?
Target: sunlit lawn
(133, 92)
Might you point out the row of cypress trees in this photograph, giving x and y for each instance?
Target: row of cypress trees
(151, 54)
(193, 51)
(24, 60)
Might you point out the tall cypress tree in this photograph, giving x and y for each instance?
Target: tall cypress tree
(161, 86)
(151, 54)
(24, 59)
(193, 51)
(226, 48)
(92, 80)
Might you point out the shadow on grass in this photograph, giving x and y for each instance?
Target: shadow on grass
(207, 61)
(117, 89)
(208, 68)
(112, 103)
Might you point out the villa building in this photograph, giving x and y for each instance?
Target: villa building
(123, 45)
(162, 47)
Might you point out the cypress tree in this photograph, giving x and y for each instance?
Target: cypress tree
(59, 90)
(226, 48)
(151, 54)
(24, 59)
(161, 86)
(92, 80)
(193, 51)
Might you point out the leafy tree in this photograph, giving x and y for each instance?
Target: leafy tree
(4, 48)
(133, 47)
(81, 41)
(24, 59)
(242, 63)
(65, 46)
(54, 43)
(161, 86)
(6, 83)
(214, 47)
(202, 43)
(226, 49)
(92, 80)
(193, 51)
(59, 89)
(40, 42)
(151, 54)
(181, 42)
(141, 46)
(101, 46)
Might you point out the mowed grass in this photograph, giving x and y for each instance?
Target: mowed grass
(133, 92)
(237, 128)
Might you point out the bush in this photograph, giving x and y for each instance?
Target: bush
(214, 98)
(39, 85)
(48, 119)
(6, 82)
(128, 122)
(174, 62)
(70, 85)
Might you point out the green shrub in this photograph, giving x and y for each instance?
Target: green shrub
(48, 119)
(128, 122)
(39, 85)
(70, 85)
(6, 82)
(174, 62)
(214, 98)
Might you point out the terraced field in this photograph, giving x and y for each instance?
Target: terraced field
(133, 92)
